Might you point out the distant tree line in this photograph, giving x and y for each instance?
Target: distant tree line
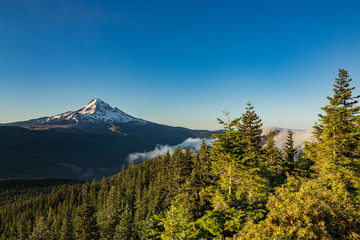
(235, 189)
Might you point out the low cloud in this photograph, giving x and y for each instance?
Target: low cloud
(193, 143)
(299, 136)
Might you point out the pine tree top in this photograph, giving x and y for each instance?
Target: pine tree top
(249, 128)
(343, 91)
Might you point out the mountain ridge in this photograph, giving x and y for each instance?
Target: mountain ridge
(92, 141)
(96, 111)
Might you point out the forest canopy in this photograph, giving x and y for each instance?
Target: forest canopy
(236, 189)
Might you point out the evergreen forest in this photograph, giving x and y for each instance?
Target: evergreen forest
(234, 189)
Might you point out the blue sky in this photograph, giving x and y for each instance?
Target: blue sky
(179, 63)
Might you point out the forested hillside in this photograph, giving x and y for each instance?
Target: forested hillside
(15, 190)
(236, 189)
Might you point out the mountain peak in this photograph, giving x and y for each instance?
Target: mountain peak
(96, 101)
(96, 104)
(94, 112)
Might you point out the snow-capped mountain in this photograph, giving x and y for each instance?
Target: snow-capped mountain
(97, 116)
(92, 141)
(94, 112)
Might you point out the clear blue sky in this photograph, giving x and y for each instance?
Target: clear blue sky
(176, 62)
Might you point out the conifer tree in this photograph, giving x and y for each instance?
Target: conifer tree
(107, 216)
(176, 222)
(250, 129)
(201, 172)
(240, 184)
(289, 153)
(22, 228)
(87, 227)
(307, 209)
(41, 230)
(325, 206)
(227, 149)
(67, 229)
(181, 163)
(273, 162)
(201, 177)
(179, 170)
(236, 155)
(337, 135)
(150, 228)
(124, 229)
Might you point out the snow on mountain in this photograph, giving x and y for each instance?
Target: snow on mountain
(299, 136)
(95, 111)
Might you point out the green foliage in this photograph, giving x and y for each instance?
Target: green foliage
(337, 135)
(213, 222)
(123, 229)
(87, 227)
(306, 209)
(237, 159)
(249, 128)
(289, 153)
(67, 229)
(240, 183)
(150, 228)
(303, 166)
(327, 205)
(180, 169)
(177, 223)
(41, 230)
(201, 177)
(234, 190)
(274, 164)
(13, 190)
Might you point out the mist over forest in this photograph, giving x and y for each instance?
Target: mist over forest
(237, 187)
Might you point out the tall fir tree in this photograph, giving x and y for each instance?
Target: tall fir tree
(201, 177)
(179, 170)
(201, 173)
(177, 223)
(289, 153)
(227, 149)
(67, 229)
(87, 227)
(22, 228)
(108, 215)
(241, 189)
(274, 163)
(41, 230)
(124, 229)
(250, 129)
(326, 205)
(338, 135)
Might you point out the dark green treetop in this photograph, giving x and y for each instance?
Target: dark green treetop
(289, 152)
(250, 129)
(337, 135)
(274, 163)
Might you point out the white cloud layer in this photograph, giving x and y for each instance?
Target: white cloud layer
(299, 136)
(193, 143)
